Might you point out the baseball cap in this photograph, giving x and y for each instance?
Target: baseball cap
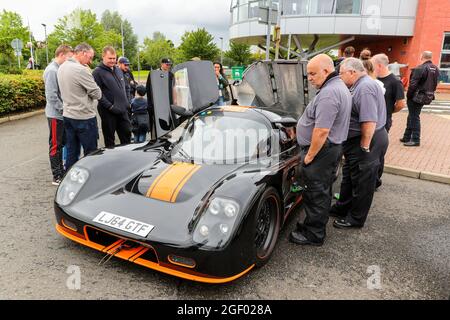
(166, 60)
(124, 60)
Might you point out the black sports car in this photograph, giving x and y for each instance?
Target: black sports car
(204, 201)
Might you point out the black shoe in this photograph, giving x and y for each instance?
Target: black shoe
(403, 140)
(343, 224)
(300, 227)
(412, 144)
(298, 238)
(379, 183)
(333, 213)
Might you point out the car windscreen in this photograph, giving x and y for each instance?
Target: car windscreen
(224, 138)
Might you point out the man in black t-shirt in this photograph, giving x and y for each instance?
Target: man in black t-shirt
(395, 92)
(394, 95)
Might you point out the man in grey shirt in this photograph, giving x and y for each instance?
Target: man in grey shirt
(366, 144)
(79, 93)
(320, 132)
(54, 112)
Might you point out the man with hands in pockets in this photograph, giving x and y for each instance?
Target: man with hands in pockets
(320, 132)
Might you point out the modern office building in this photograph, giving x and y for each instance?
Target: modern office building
(402, 29)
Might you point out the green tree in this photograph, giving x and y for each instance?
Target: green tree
(240, 53)
(200, 44)
(112, 21)
(11, 27)
(157, 48)
(82, 26)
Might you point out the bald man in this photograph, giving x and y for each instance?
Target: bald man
(320, 132)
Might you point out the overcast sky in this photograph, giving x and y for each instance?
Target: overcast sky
(171, 17)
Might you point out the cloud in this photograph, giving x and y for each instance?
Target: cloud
(171, 17)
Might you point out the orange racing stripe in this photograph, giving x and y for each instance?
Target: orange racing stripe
(170, 182)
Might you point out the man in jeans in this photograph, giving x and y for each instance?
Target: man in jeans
(423, 83)
(320, 132)
(54, 112)
(79, 93)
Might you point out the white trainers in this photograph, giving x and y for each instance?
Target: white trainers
(56, 182)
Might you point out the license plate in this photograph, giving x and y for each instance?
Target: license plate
(125, 224)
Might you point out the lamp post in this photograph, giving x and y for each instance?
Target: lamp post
(46, 40)
(269, 29)
(221, 50)
(123, 46)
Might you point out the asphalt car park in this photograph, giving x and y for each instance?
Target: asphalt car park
(402, 253)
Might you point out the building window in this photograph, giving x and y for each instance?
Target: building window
(243, 12)
(296, 7)
(348, 6)
(235, 15)
(445, 60)
(254, 10)
(322, 6)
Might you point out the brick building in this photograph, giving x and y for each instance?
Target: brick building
(402, 29)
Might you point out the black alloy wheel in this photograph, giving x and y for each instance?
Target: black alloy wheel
(267, 225)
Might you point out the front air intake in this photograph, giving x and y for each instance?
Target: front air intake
(100, 237)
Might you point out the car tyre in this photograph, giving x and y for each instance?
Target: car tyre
(267, 225)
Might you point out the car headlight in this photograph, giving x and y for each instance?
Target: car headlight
(71, 185)
(216, 224)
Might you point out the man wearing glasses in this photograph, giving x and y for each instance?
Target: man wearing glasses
(80, 95)
(366, 144)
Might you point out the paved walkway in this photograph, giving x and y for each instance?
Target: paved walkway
(433, 156)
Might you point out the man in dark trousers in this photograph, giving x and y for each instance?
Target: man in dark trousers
(54, 112)
(367, 142)
(394, 95)
(422, 85)
(113, 106)
(130, 83)
(320, 132)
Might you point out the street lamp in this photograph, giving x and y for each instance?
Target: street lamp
(46, 41)
(221, 50)
(123, 46)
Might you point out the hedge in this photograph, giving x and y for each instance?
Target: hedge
(21, 93)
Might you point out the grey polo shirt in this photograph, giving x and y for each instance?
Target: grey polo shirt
(369, 105)
(330, 109)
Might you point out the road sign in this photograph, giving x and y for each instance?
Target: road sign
(17, 45)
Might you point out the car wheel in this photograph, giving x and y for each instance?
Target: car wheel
(267, 225)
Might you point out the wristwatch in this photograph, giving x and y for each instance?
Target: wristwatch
(364, 149)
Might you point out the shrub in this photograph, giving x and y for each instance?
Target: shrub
(21, 93)
(10, 70)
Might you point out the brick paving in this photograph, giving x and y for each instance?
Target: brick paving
(432, 156)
